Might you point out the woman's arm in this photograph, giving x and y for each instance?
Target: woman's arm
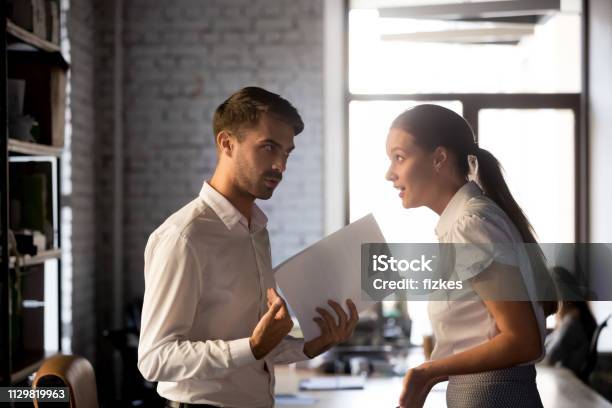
(518, 341)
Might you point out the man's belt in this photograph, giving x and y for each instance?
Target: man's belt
(175, 404)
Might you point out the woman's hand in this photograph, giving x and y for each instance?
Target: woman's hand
(416, 386)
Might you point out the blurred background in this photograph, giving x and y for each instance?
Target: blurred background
(109, 107)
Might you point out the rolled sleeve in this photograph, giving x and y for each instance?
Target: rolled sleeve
(478, 243)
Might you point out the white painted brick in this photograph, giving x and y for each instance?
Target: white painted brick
(181, 59)
(281, 23)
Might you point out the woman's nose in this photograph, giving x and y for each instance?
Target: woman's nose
(390, 176)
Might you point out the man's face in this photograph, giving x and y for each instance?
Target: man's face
(261, 156)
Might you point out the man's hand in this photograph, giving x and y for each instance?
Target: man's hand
(272, 327)
(332, 333)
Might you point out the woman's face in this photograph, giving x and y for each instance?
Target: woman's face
(411, 171)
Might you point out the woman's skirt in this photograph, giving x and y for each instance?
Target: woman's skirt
(506, 388)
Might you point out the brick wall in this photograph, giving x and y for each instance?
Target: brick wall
(90, 25)
(79, 191)
(103, 103)
(182, 59)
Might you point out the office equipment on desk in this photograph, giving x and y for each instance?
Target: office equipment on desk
(333, 383)
(558, 387)
(294, 400)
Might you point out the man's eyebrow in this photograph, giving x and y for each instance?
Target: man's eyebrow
(274, 142)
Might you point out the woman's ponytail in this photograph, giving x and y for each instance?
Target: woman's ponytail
(494, 186)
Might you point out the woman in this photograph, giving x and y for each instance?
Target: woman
(568, 345)
(485, 347)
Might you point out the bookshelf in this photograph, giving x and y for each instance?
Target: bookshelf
(41, 257)
(32, 114)
(33, 149)
(30, 38)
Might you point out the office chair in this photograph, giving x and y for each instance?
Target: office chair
(73, 372)
(591, 360)
(135, 390)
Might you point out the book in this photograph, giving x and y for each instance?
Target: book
(39, 22)
(53, 21)
(21, 12)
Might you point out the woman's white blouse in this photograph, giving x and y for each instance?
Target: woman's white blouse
(472, 218)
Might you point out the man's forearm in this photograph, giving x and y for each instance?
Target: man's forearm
(178, 360)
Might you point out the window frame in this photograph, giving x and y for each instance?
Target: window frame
(474, 102)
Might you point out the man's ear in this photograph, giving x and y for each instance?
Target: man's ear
(225, 142)
(440, 158)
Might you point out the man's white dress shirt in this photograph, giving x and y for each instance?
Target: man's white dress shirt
(471, 217)
(206, 276)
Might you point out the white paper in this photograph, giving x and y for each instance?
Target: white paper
(328, 269)
(333, 383)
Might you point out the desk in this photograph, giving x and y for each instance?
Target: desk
(558, 387)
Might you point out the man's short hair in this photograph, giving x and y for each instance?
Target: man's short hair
(244, 108)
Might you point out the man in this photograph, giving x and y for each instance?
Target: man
(213, 325)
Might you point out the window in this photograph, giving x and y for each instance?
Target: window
(515, 75)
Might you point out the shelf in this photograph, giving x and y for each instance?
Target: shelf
(44, 68)
(53, 51)
(41, 257)
(33, 149)
(31, 38)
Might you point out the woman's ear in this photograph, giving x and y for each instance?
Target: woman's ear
(440, 158)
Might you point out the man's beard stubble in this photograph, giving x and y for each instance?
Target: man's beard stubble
(251, 183)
